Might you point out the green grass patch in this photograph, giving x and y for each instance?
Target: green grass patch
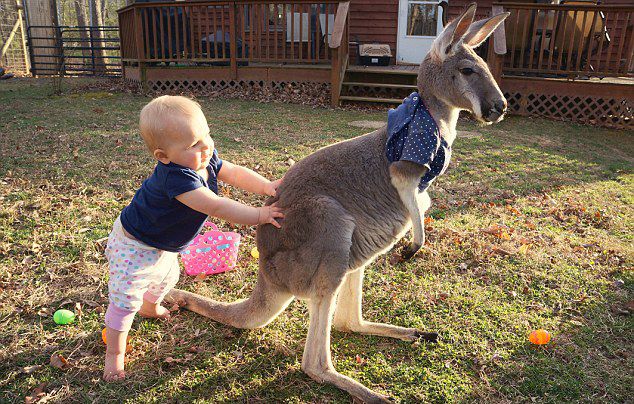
(561, 196)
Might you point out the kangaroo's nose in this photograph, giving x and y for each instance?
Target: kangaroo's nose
(501, 105)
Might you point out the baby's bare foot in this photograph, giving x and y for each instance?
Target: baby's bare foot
(149, 310)
(113, 370)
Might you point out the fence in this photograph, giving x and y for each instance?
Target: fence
(74, 51)
(13, 49)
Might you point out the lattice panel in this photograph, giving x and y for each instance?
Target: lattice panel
(376, 92)
(601, 111)
(203, 86)
(212, 86)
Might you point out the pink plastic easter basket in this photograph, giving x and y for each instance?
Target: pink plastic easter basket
(211, 252)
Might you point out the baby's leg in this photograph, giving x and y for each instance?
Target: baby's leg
(156, 291)
(115, 355)
(132, 267)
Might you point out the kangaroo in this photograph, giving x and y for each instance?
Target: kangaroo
(346, 204)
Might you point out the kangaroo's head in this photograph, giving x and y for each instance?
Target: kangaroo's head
(453, 72)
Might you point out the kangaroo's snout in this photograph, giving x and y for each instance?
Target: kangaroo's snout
(494, 112)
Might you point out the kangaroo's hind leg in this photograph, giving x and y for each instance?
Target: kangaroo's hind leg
(348, 316)
(317, 362)
(266, 302)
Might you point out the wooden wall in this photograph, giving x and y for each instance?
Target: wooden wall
(373, 21)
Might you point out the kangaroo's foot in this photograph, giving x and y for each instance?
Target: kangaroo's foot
(348, 314)
(388, 330)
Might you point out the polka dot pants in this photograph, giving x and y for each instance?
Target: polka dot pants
(137, 272)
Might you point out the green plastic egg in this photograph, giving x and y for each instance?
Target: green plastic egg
(63, 316)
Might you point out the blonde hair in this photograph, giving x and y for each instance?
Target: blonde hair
(157, 122)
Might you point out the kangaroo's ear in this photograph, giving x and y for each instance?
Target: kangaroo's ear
(453, 32)
(479, 31)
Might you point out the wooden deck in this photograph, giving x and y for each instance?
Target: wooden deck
(578, 73)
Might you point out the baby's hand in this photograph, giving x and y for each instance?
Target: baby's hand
(271, 188)
(268, 214)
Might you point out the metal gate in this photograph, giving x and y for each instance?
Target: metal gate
(74, 50)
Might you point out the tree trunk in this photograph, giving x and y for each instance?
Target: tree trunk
(97, 36)
(82, 18)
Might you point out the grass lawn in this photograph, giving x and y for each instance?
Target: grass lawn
(532, 227)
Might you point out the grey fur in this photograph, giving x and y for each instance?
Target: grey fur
(344, 205)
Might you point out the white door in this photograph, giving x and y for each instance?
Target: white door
(419, 22)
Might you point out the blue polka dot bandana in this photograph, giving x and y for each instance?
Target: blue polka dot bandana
(414, 136)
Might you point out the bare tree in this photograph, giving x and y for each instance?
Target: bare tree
(82, 18)
(97, 35)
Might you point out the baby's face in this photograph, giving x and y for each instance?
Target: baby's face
(190, 144)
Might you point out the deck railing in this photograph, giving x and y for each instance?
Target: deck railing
(229, 32)
(572, 40)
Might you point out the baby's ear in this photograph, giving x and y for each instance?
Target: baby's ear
(161, 156)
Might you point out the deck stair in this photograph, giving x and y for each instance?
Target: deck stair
(387, 85)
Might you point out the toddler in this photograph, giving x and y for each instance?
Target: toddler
(166, 213)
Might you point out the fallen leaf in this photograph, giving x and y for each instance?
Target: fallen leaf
(78, 310)
(290, 162)
(30, 369)
(44, 312)
(500, 251)
(200, 277)
(513, 210)
(196, 349)
(59, 362)
(359, 360)
(395, 258)
(523, 249)
(36, 395)
(499, 231)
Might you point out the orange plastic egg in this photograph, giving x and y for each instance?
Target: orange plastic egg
(539, 337)
(128, 347)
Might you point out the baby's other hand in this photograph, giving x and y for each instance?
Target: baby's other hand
(271, 188)
(268, 214)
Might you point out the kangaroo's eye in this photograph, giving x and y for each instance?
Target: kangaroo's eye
(467, 71)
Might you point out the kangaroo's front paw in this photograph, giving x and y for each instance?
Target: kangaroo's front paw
(410, 250)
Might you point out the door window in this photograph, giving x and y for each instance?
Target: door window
(422, 18)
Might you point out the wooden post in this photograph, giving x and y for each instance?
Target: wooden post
(335, 85)
(140, 49)
(233, 41)
(27, 62)
(340, 52)
(497, 48)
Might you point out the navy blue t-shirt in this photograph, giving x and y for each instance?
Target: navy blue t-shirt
(157, 218)
(413, 135)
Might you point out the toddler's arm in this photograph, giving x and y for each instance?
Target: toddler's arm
(247, 179)
(204, 200)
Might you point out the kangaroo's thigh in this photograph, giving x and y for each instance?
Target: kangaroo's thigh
(313, 250)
